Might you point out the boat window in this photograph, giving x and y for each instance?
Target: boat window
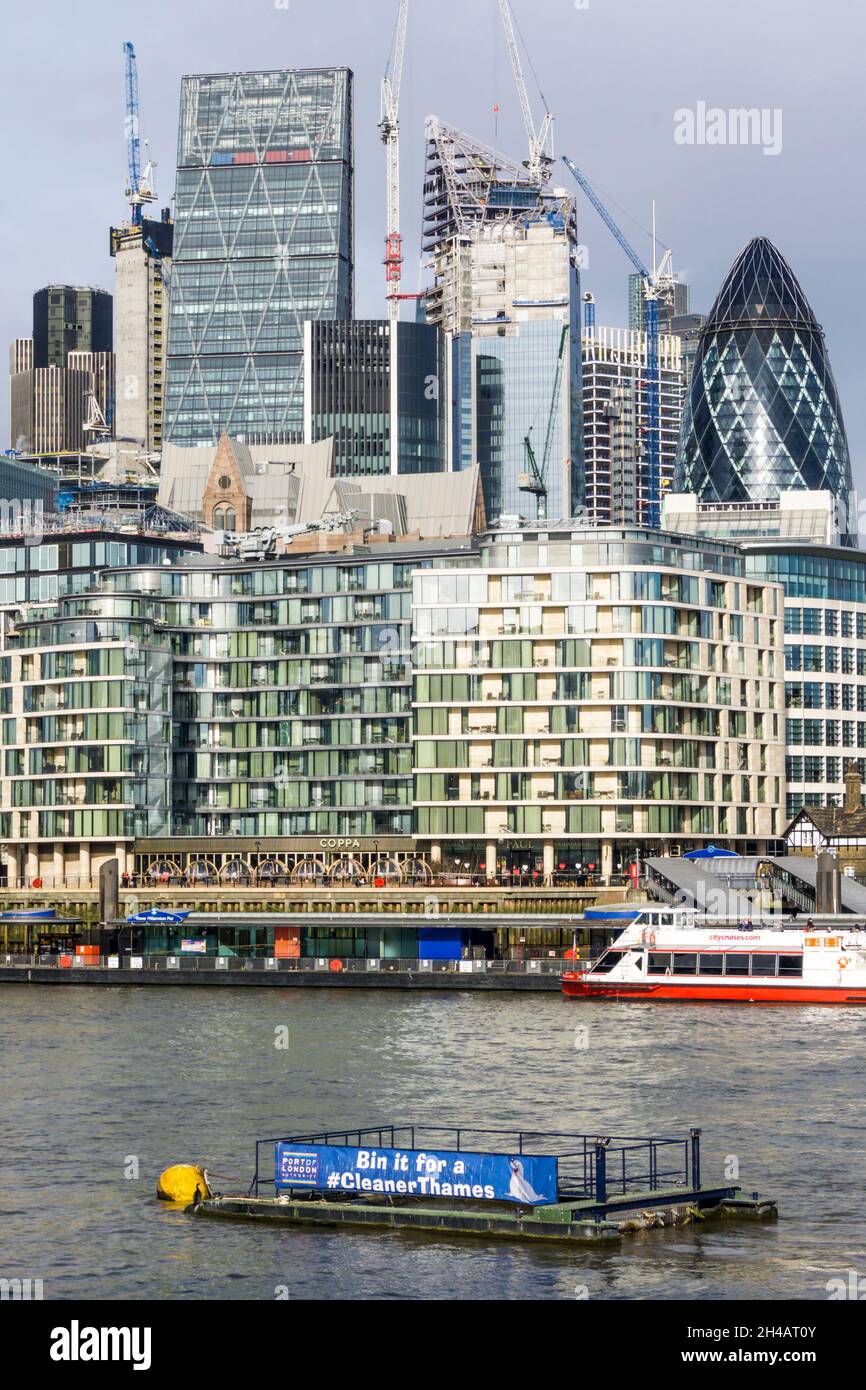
(637, 959)
(659, 963)
(711, 964)
(607, 962)
(685, 963)
(790, 965)
(763, 965)
(735, 964)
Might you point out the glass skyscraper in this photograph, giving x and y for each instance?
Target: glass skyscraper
(263, 242)
(762, 414)
(519, 397)
(375, 388)
(679, 304)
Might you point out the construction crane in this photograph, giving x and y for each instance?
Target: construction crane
(389, 125)
(541, 157)
(139, 186)
(96, 423)
(535, 479)
(156, 255)
(658, 285)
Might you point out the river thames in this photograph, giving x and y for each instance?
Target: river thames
(97, 1081)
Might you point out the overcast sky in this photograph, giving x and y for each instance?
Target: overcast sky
(614, 73)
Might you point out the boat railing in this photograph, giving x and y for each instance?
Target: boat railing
(591, 1167)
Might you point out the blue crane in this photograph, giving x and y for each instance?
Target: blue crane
(139, 187)
(655, 285)
(133, 146)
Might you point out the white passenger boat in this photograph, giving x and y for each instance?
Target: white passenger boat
(671, 954)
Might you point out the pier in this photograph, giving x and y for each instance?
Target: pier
(517, 975)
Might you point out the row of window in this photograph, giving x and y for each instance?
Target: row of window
(450, 821)
(825, 622)
(830, 733)
(821, 695)
(814, 769)
(737, 963)
(848, 660)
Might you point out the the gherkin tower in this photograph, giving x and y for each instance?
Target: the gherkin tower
(762, 415)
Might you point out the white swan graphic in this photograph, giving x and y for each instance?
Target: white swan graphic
(519, 1187)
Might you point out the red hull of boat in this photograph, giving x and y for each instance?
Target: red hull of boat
(734, 994)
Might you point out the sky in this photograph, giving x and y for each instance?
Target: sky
(617, 74)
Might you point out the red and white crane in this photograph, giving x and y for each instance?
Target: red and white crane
(389, 125)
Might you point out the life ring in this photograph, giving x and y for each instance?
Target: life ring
(652, 938)
(842, 962)
(336, 965)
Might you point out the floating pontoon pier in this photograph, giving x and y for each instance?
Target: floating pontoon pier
(524, 1184)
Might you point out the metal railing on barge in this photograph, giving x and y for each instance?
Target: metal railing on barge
(591, 1168)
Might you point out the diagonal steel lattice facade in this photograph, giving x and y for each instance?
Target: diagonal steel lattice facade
(762, 413)
(263, 240)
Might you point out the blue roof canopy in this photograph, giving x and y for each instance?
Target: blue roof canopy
(711, 852)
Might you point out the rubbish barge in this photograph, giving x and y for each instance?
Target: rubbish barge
(459, 1180)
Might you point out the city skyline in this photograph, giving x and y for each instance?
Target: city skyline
(629, 160)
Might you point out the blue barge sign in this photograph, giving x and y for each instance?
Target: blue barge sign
(528, 1179)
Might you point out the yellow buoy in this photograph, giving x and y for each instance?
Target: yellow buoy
(179, 1182)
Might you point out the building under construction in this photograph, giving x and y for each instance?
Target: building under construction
(616, 421)
(142, 254)
(503, 252)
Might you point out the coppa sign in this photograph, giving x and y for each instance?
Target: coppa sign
(530, 1180)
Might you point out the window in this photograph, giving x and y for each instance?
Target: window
(659, 963)
(607, 962)
(763, 965)
(711, 964)
(736, 964)
(685, 963)
(790, 965)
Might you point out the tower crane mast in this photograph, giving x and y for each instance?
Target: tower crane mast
(389, 126)
(139, 187)
(541, 157)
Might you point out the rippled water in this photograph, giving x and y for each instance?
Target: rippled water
(92, 1076)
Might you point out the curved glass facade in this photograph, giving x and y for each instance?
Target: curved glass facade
(762, 415)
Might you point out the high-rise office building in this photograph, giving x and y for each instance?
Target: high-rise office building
(49, 409)
(678, 305)
(20, 360)
(142, 262)
(51, 406)
(70, 318)
(762, 415)
(506, 293)
(263, 242)
(52, 375)
(795, 541)
(615, 421)
(381, 421)
(687, 328)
